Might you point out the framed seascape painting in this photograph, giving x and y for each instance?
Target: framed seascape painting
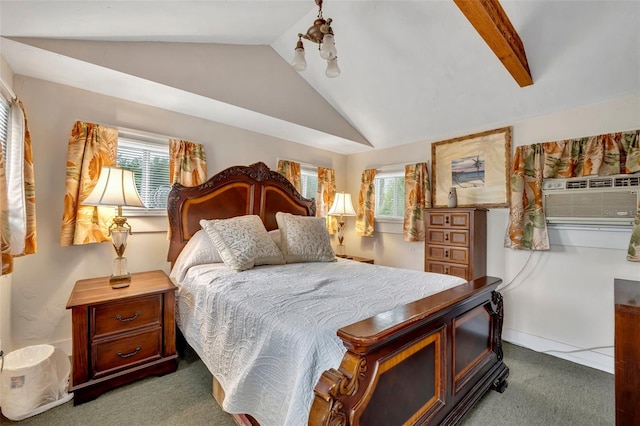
(478, 167)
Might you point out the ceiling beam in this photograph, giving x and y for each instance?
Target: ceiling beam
(494, 26)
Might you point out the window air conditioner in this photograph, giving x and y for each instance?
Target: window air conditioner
(593, 200)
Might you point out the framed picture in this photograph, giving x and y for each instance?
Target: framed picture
(478, 166)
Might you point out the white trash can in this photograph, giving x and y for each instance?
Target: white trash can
(33, 379)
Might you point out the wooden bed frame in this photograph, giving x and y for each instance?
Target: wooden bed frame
(426, 362)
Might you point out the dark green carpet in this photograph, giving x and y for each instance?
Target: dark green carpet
(543, 390)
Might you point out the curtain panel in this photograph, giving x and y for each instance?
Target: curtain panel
(187, 163)
(417, 197)
(91, 146)
(602, 155)
(366, 204)
(17, 191)
(326, 195)
(290, 170)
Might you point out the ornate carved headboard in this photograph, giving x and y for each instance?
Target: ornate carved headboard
(236, 191)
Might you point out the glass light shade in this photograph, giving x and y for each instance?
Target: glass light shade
(299, 63)
(332, 68)
(328, 47)
(342, 205)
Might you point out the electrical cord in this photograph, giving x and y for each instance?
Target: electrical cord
(578, 350)
(502, 288)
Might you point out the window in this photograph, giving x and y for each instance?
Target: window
(309, 182)
(4, 125)
(149, 162)
(389, 195)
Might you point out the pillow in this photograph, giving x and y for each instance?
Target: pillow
(243, 242)
(275, 236)
(199, 250)
(304, 238)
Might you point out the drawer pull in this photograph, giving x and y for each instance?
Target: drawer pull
(446, 253)
(135, 315)
(446, 269)
(446, 219)
(135, 351)
(446, 236)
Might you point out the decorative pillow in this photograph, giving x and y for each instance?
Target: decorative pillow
(304, 238)
(198, 251)
(243, 242)
(275, 236)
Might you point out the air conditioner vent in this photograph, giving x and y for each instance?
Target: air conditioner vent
(630, 180)
(577, 184)
(600, 182)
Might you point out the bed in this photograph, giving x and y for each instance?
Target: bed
(423, 356)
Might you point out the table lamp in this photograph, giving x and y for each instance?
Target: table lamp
(341, 207)
(116, 187)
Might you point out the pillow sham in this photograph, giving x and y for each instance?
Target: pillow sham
(199, 250)
(275, 236)
(243, 242)
(304, 238)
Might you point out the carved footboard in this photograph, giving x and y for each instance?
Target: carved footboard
(427, 362)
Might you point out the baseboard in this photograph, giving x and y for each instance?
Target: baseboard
(588, 358)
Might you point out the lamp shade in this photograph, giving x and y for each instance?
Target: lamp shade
(342, 205)
(115, 187)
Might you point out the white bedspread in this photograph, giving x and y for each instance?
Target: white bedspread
(267, 334)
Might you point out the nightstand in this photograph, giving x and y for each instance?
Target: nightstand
(357, 258)
(121, 335)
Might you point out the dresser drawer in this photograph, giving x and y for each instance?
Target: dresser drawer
(454, 237)
(448, 268)
(116, 354)
(448, 254)
(448, 219)
(118, 317)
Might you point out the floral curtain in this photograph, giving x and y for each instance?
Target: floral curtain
(417, 197)
(602, 155)
(91, 146)
(17, 191)
(326, 195)
(366, 204)
(187, 163)
(290, 170)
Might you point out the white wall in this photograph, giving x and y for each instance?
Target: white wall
(561, 299)
(42, 282)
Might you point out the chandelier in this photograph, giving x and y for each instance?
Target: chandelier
(322, 34)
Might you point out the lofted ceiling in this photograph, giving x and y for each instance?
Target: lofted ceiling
(411, 70)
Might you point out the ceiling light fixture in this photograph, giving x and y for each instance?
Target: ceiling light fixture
(322, 34)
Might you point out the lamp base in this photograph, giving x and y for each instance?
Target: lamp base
(120, 278)
(341, 251)
(120, 281)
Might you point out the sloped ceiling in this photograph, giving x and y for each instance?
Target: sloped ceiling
(411, 70)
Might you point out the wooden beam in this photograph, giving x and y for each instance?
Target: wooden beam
(494, 26)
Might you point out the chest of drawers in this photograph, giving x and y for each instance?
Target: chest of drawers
(121, 335)
(456, 241)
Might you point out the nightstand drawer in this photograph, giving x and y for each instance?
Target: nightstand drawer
(116, 354)
(454, 237)
(448, 254)
(126, 315)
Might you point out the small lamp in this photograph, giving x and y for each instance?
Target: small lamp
(342, 207)
(117, 187)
